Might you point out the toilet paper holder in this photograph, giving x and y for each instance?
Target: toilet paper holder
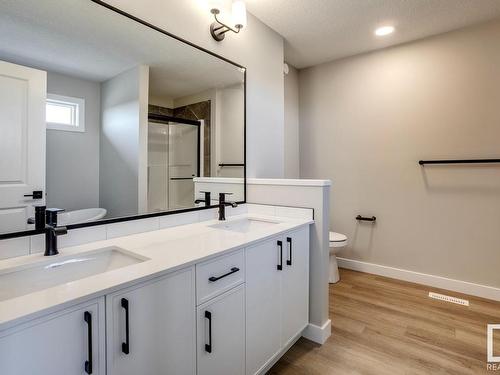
(364, 218)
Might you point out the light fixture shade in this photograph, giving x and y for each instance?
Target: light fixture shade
(221, 5)
(239, 13)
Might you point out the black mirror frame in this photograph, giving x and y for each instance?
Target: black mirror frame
(4, 236)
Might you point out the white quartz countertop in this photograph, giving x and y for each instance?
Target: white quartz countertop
(168, 250)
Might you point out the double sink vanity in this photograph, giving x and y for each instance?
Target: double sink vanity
(214, 297)
(121, 129)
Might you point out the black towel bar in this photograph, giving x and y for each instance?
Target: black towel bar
(362, 218)
(459, 161)
(231, 165)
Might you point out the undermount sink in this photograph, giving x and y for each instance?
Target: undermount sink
(25, 279)
(245, 225)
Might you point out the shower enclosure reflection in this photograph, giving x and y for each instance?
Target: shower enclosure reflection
(174, 159)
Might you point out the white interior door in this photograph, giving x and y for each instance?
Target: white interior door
(22, 143)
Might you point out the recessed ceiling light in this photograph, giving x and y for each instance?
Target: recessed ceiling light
(384, 30)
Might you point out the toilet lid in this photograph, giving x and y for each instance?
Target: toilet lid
(337, 237)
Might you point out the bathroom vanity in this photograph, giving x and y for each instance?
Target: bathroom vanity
(205, 298)
(122, 129)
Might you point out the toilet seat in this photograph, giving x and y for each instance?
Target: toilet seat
(337, 239)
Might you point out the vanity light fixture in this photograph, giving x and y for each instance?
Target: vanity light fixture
(384, 30)
(218, 29)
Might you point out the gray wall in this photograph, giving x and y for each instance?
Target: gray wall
(121, 145)
(292, 158)
(367, 120)
(73, 157)
(229, 129)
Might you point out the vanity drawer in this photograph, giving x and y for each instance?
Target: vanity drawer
(219, 275)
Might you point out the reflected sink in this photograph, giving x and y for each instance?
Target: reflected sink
(25, 279)
(245, 225)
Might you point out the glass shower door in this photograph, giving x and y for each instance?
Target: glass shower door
(183, 164)
(157, 167)
(173, 161)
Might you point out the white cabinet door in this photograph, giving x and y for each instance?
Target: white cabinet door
(221, 334)
(295, 284)
(22, 143)
(57, 344)
(160, 317)
(263, 303)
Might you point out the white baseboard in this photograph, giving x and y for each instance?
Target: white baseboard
(464, 287)
(318, 334)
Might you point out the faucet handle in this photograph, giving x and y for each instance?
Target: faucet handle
(51, 215)
(222, 200)
(222, 196)
(60, 230)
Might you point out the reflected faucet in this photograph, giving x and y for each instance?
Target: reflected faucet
(52, 231)
(223, 204)
(206, 200)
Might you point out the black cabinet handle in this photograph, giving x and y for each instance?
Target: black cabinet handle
(289, 260)
(126, 344)
(37, 194)
(214, 278)
(208, 347)
(280, 264)
(87, 316)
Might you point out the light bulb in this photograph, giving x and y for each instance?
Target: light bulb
(384, 30)
(239, 14)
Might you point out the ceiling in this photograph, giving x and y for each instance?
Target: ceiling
(91, 42)
(318, 31)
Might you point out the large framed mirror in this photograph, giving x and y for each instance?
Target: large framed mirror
(110, 118)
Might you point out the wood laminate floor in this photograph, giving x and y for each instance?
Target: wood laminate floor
(387, 326)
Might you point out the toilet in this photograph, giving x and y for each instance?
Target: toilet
(337, 242)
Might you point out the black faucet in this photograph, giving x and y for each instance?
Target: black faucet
(206, 200)
(223, 204)
(52, 231)
(39, 219)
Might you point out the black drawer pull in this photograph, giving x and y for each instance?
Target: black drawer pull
(126, 344)
(214, 278)
(87, 316)
(208, 347)
(280, 264)
(289, 260)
